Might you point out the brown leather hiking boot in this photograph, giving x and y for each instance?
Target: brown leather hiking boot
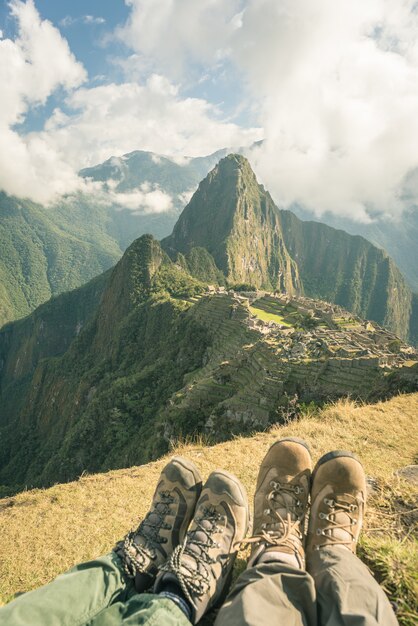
(202, 566)
(164, 527)
(280, 504)
(338, 497)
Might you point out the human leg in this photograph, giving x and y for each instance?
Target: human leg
(275, 589)
(140, 610)
(75, 598)
(347, 593)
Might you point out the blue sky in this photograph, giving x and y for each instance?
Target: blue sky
(331, 87)
(88, 26)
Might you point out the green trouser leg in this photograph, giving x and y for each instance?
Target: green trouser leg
(141, 609)
(96, 593)
(339, 590)
(73, 598)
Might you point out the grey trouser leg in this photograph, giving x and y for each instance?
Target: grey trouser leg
(339, 590)
(270, 594)
(347, 593)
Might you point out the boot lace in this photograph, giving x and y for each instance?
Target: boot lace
(135, 556)
(195, 581)
(290, 526)
(348, 505)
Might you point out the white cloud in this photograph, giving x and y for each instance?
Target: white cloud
(145, 199)
(336, 85)
(68, 20)
(185, 197)
(120, 118)
(32, 67)
(99, 121)
(171, 35)
(338, 94)
(91, 19)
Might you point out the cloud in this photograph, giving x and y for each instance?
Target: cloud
(145, 199)
(115, 119)
(338, 97)
(32, 67)
(68, 20)
(172, 36)
(335, 86)
(91, 19)
(98, 120)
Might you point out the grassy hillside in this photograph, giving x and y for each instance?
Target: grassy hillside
(55, 528)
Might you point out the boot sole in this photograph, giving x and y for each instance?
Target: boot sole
(334, 454)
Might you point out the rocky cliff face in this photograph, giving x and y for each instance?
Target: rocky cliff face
(236, 221)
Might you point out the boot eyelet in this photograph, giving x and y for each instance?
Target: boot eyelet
(319, 531)
(353, 522)
(297, 490)
(323, 516)
(273, 484)
(266, 511)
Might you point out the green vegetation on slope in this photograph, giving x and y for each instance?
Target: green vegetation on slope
(84, 519)
(40, 259)
(95, 406)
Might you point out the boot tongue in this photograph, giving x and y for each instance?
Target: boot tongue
(343, 518)
(200, 537)
(283, 504)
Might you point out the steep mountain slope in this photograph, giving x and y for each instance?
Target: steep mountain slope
(46, 251)
(252, 241)
(40, 258)
(398, 237)
(236, 221)
(350, 271)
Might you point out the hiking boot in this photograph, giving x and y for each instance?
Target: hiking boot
(201, 568)
(280, 504)
(338, 497)
(164, 527)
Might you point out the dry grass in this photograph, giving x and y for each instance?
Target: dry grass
(44, 532)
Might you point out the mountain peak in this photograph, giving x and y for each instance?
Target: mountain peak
(237, 222)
